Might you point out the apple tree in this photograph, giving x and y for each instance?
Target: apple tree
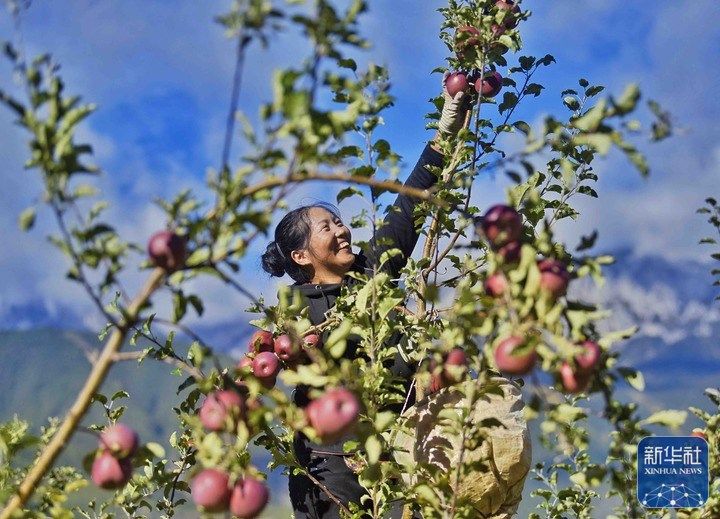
(508, 307)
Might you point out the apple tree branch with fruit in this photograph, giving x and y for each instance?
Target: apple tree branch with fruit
(507, 308)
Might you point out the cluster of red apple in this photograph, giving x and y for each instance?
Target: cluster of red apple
(468, 41)
(331, 415)
(487, 85)
(112, 467)
(245, 499)
(266, 352)
(502, 228)
(223, 410)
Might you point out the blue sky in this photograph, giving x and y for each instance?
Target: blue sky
(160, 73)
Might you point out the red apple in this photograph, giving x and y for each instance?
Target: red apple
(219, 406)
(210, 490)
(285, 349)
(266, 366)
(554, 277)
(466, 37)
(261, 340)
(456, 82)
(510, 252)
(454, 368)
(509, 362)
(436, 383)
(120, 440)
(699, 433)
(496, 284)
(245, 363)
(489, 85)
(167, 250)
(573, 381)
(455, 360)
(249, 497)
(501, 224)
(333, 414)
(110, 472)
(510, 20)
(589, 359)
(498, 30)
(312, 341)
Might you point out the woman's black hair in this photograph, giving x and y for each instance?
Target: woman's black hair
(292, 233)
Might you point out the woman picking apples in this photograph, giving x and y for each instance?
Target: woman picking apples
(313, 246)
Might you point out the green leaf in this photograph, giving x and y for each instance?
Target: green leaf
(592, 118)
(26, 220)
(347, 192)
(198, 256)
(600, 142)
(156, 449)
(668, 417)
(587, 190)
(634, 378)
(628, 100)
(594, 90)
(348, 63)
(337, 341)
(571, 102)
(120, 394)
(373, 446)
(427, 494)
(509, 101)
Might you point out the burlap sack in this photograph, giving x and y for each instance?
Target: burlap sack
(494, 493)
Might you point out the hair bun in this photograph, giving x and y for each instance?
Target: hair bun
(272, 261)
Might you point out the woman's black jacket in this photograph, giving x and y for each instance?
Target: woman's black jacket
(400, 228)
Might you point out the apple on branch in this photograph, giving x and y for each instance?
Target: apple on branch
(496, 284)
(261, 340)
(456, 82)
(333, 414)
(286, 349)
(573, 380)
(220, 407)
(249, 497)
(489, 85)
(120, 440)
(509, 360)
(266, 366)
(109, 472)
(167, 250)
(453, 370)
(210, 490)
(500, 225)
(576, 378)
(554, 277)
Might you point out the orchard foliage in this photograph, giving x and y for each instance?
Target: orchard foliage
(321, 124)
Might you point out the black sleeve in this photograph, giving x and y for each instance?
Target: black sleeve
(399, 226)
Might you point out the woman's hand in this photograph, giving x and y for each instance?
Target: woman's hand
(454, 112)
(454, 116)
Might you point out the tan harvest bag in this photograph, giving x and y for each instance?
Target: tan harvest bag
(494, 493)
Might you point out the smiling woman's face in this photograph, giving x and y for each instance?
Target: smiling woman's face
(328, 253)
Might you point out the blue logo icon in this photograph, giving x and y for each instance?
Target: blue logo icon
(672, 472)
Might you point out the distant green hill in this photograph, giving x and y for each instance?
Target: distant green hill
(42, 370)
